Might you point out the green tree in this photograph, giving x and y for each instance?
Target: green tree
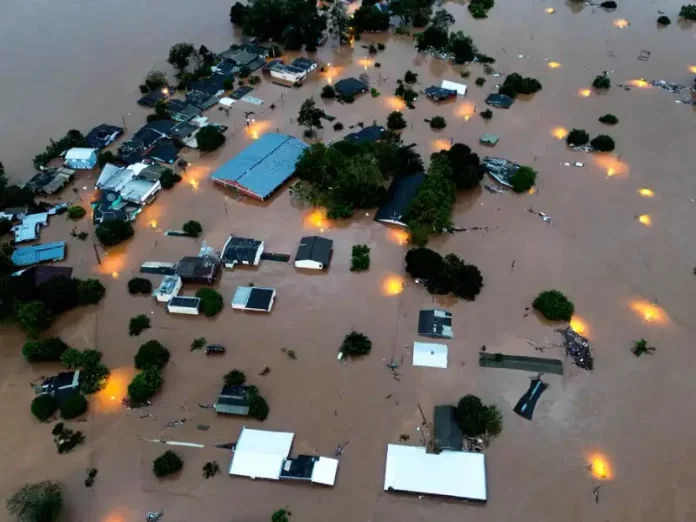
(664, 20)
(432, 37)
(356, 344)
(234, 378)
(423, 263)
(162, 109)
(410, 77)
(370, 18)
(258, 408)
(609, 119)
(554, 305)
(487, 114)
(516, 84)
(641, 347)
(180, 55)
(211, 302)
(104, 157)
(210, 138)
(601, 81)
(34, 317)
(438, 122)
(192, 228)
(156, 79)
(310, 116)
(112, 233)
(138, 324)
(688, 11)
(238, 14)
(328, 92)
(60, 294)
(465, 166)
(40, 502)
(73, 406)
(462, 47)
(168, 179)
(396, 120)
(71, 358)
(151, 354)
(43, 407)
(90, 291)
(5, 226)
(50, 349)
(603, 143)
(360, 260)
(144, 385)
(457, 278)
(140, 285)
(442, 19)
(577, 137)
(280, 516)
(167, 464)
(480, 8)
(475, 418)
(340, 21)
(523, 179)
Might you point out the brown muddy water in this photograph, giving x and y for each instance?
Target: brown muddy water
(76, 63)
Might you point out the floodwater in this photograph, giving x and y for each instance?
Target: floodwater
(76, 63)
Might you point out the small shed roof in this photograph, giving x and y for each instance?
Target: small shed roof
(304, 63)
(440, 93)
(448, 434)
(80, 153)
(458, 474)
(315, 248)
(435, 323)
(260, 453)
(489, 139)
(102, 135)
(430, 354)
(499, 100)
(260, 298)
(367, 135)
(233, 400)
(30, 255)
(324, 471)
(185, 302)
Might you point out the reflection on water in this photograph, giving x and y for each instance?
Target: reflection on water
(554, 65)
(645, 219)
(395, 103)
(612, 165)
(398, 235)
(559, 133)
(650, 313)
(440, 144)
(108, 400)
(580, 325)
(599, 466)
(641, 83)
(646, 192)
(392, 285)
(621, 23)
(585, 93)
(316, 219)
(466, 110)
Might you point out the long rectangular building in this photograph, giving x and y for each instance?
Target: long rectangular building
(262, 168)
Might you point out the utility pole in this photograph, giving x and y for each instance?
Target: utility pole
(96, 253)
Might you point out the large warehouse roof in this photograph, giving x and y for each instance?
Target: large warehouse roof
(263, 166)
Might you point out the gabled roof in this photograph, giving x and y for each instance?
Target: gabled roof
(233, 400)
(315, 248)
(350, 87)
(241, 249)
(303, 63)
(264, 165)
(448, 434)
(102, 135)
(164, 152)
(399, 196)
(192, 267)
(151, 98)
(79, 154)
(50, 180)
(367, 135)
(440, 93)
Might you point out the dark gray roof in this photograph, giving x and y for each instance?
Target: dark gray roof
(165, 152)
(435, 323)
(315, 248)
(151, 98)
(38, 275)
(399, 196)
(303, 63)
(184, 301)
(50, 180)
(260, 299)
(448, 434)
(367, 135)
(499, 100)
(198, 268)
(241, 249)
(299, 468)
(102, 135)
(233, 400)
(350, 87)
(440, 93)
(152, 172)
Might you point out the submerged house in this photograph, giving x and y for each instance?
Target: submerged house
(369, 134)
(288, 73)
(233, 400)
(399, 196)
(314, 252)
(448, 435)
(265, 454)
(49, 181)
(38, 275)
(128, 183)
(102, 136)
(108, 205)
(144, 140)
(245, 55)
(253, 299)
(350, 87)
(32, 255)
(440, 93)
(262, 168)
(184, 305)
(435, 323)
(168, 288)
(500, 169)
(203, 269)
(242, 251)
(81, 158)
(180, 111)
(60, 386)
(28, 229)
(501, 101)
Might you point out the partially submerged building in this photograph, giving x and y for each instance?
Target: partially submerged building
(262, 168)
(81, 158)
(440, 93)
(489, 139)
(241, 251)
(253, 299)
(60, 386)
(49, 181)
(350, 87)
(151, 98)
(233, 400)
(314, 252)
(168, 288)
(42, 253)
(288, 73)
(108, 205)
(28, 229)
(500, 169)
(198, 269)
(129, 184)
(369, 134)
(184, 305)
(458, 474)
(265, 455)
(448, 435)
(459, 88)
(245, 55)
(399, 196)
(435, 323)
(430, 355)
(102, 136)
(501, 101)
(38, 275)
(145, 139)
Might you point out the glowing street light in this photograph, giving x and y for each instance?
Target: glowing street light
(645, 219)
(554, 65)
(646, 193)
(585, 93)
(550, 10)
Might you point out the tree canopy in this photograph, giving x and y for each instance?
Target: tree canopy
(465, 166)
(396, 120)
(210, 138)
(167, 464)
(211, 302)
(180, 55)
(234, 378)
(442, 276)
(140, 285)
(113, 232)
(476, 418)
(515, 84)
(40, 502)
(238, 14)
(609, 119)
(50, 349)
(292, 22)
(523, 179)
(73, 406)
(370, 18)
(192, 228)
(310, 115)
(44, 406)
(480, 8)
(340, 20)
(601, 81)
(152, 354)
(603, 143)
(577, 137)
(144, 385)
(356, 344)
(554, 305)
(416, 12)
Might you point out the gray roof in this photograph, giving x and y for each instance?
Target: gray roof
(233, 400)
(185, 302)
(241, 249)
(263, 166)
(315, 248)
(197, 268)
(448, 434)
(435, 323)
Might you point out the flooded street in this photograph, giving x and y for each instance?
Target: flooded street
(78, 63)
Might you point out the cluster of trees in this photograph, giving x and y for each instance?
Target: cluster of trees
(181, 56)
(355, 344)
(396, 121)
(310, 115)
(609, 119)
(110, 233)
(447, 275)
(93, 373)
(258, 407)
(412, 12)
(523, 179)
(210, 138)
(211, 302)
(601, 143)
(294, 23)
(34, 309)
(368, 18)
(480, 8)
(688, 11)
(169, 178)
(73, 138)
(406, 93)
(139, 285)
(150, 360)
(347, 176)
(138, 325)
(601, 81)
(553, 305)
(476, 418)
(40, 502)
(515, 84)
(282, 515)
(664, 20)
(360, 258)
(438, 122)
(76, 212)
(459, 45)
(66, 439)
(167, 464)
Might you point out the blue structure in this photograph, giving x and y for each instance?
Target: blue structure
(260, 169)
(31, 255)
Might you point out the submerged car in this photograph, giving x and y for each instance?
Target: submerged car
(214, 349)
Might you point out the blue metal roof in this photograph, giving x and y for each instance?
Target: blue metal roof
(31, 255)
(264, 165)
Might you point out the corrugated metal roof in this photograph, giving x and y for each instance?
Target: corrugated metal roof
(31, 255)
(264, 165)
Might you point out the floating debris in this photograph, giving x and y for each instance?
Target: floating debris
(578, 347)
(339, 449)
(175, 423)
(545, 217)
(493, 190)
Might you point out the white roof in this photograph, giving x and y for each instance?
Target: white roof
(324, 471)
(260, 453)
(227, 102)
(79, 154)
(454, 86)
(460, 474)
(136, 189)
(113, 177)
(430, 354)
